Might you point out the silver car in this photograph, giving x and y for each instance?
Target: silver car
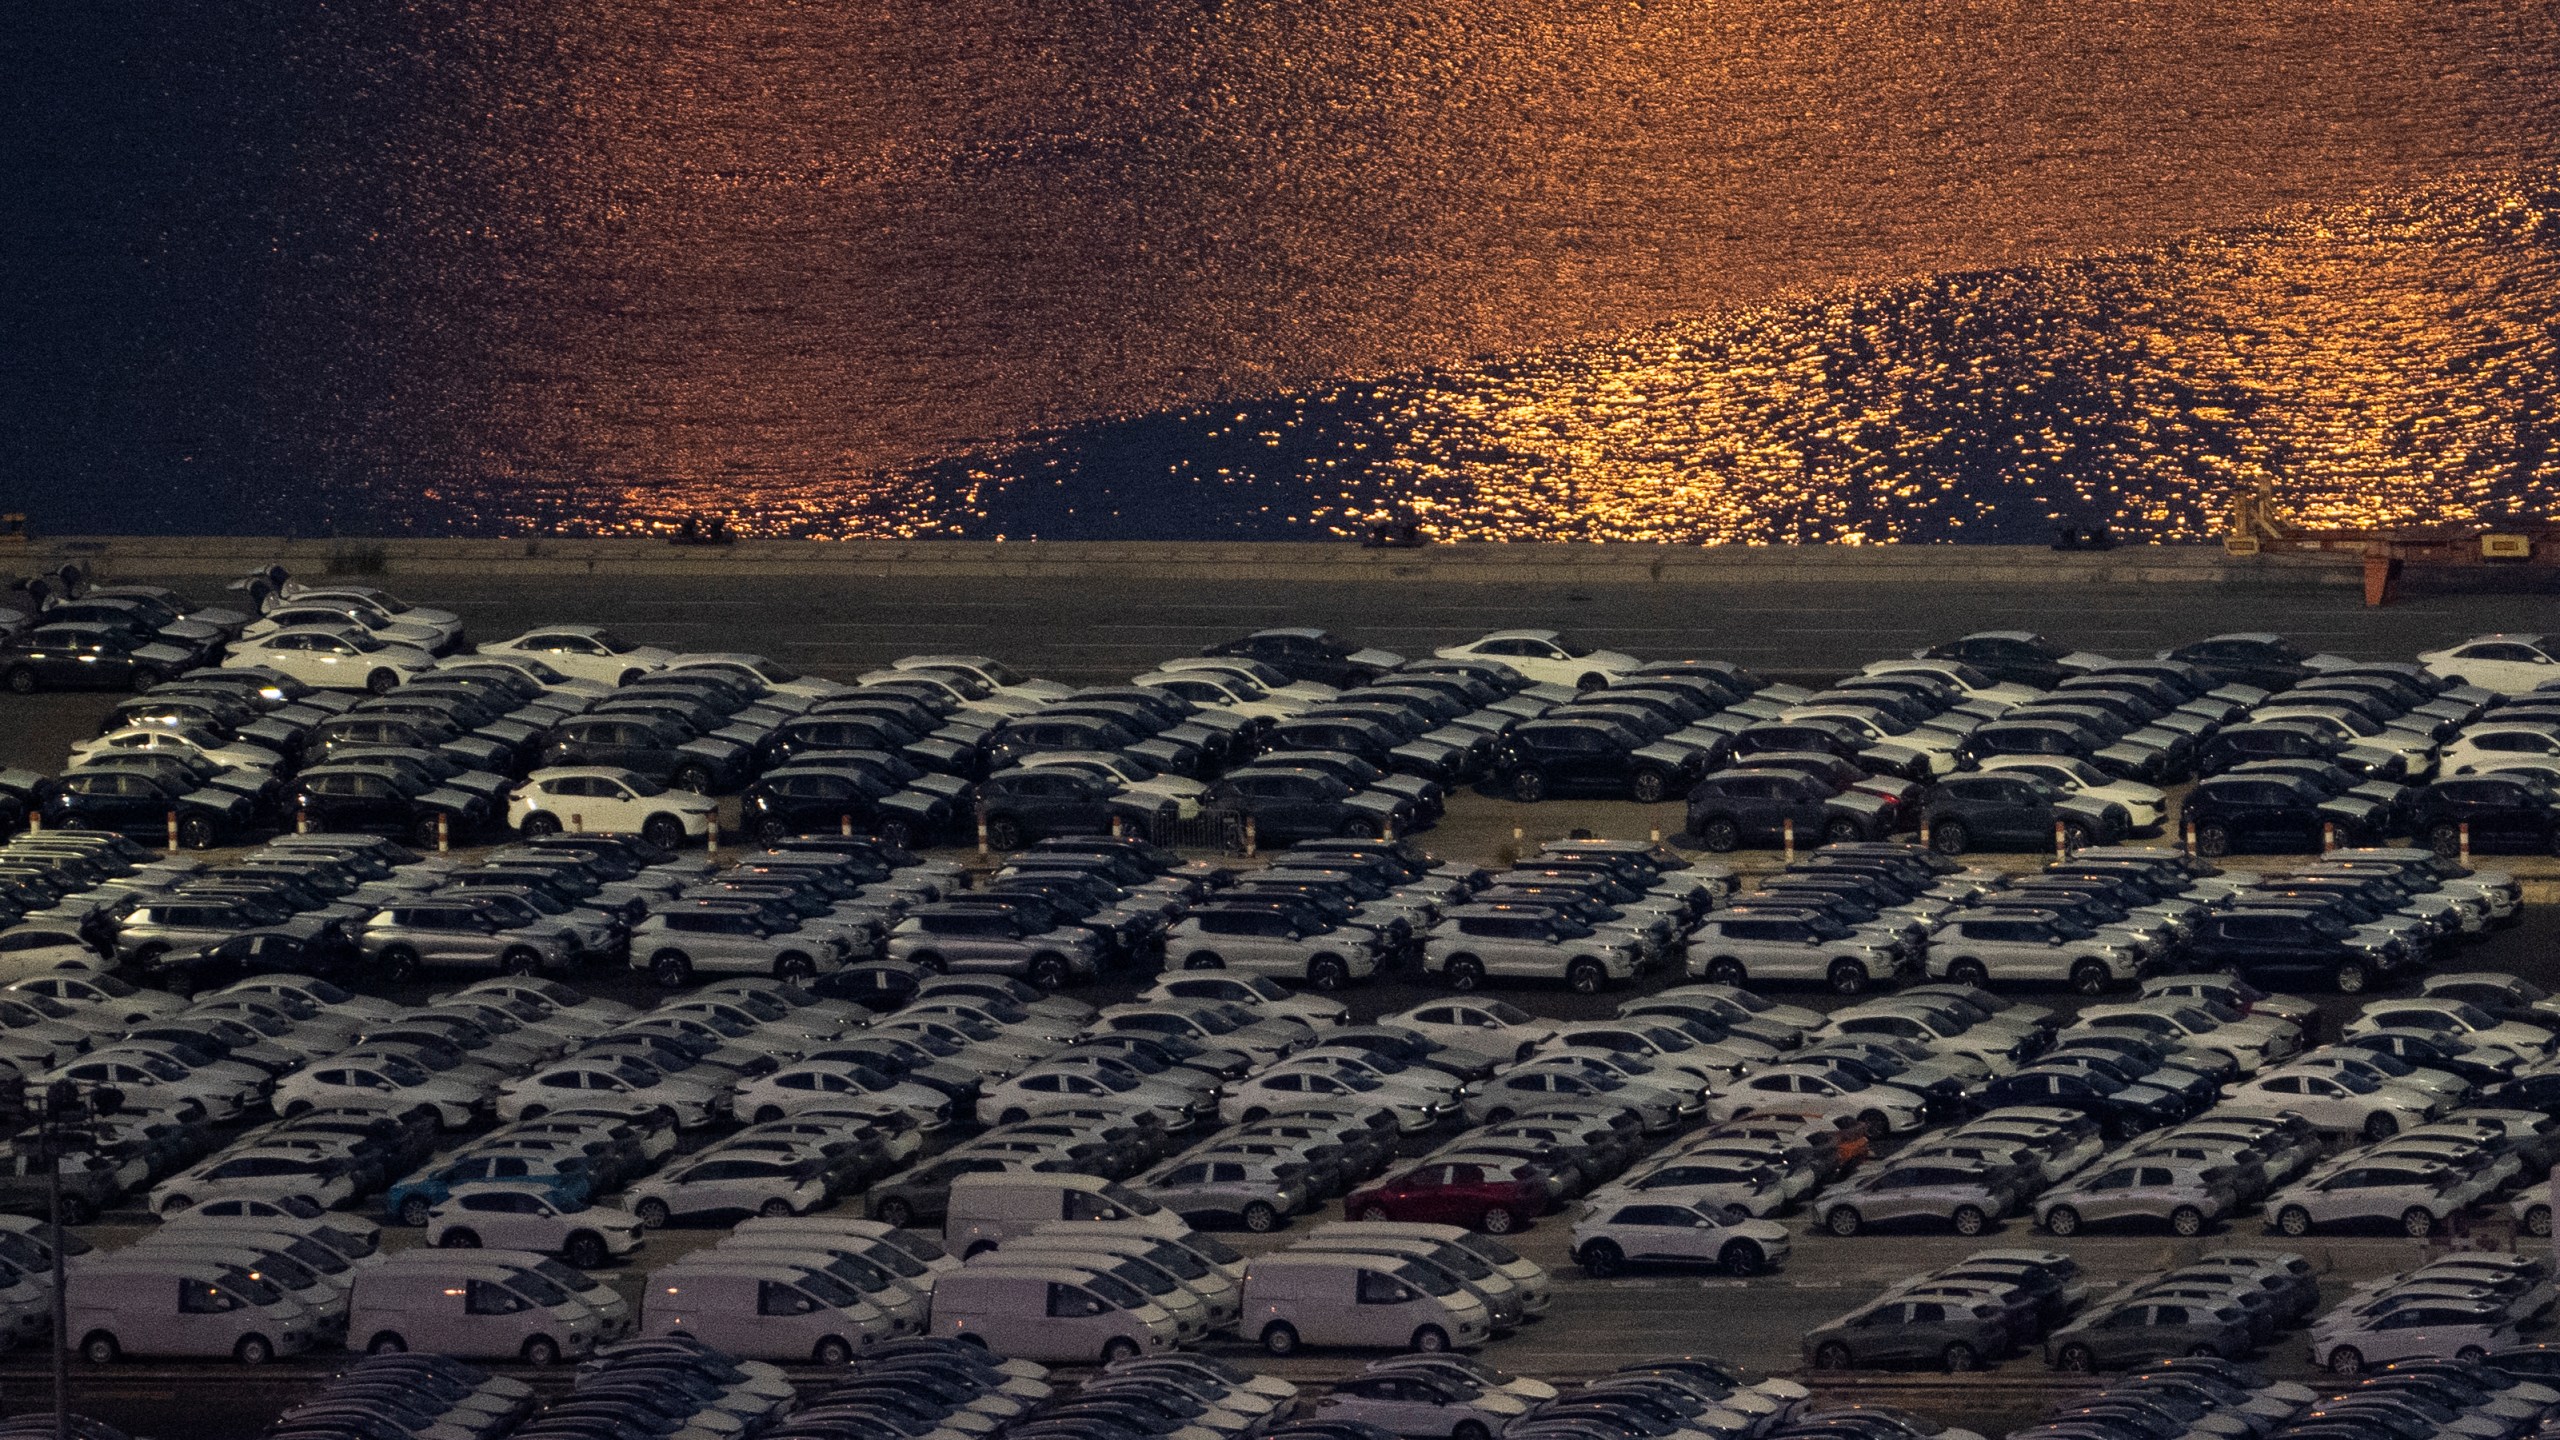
(445, 932)
(1960, 1196)
(1253, 1193)
(2181, 1194)
(731, 937)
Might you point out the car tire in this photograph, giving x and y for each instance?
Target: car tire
(399, 963)
(2353, 978)
(539, 823)
(459, 1238)
(2213, 842)
(776, 1208)
(670, 968)
(1841, 832)
(1014, 1116)
(2075, 836)
(894, 1212)
(2295, 1221)
(2206, 1351)
(1586, 977)
(1494, 1117)
(1465, 972)
(254, 1350)
(382, 681)
(540, 1352)
(2381, 1125)
(99, 1347)
(389, 1342)
(1844, 1220)
(195, 833)
(1049, 972)
(1600, 1259)
(2417, 1223)
(586, 1251)
(1720, 836)
(1119, 1348)
(2090, 977)
(1357, 829)
(1948, 837)
(521, 960)
(930, 961)
(1430, 1340)
(793, 966)
(1279, 1338)
(1969, 971)
(771, 833)
(2445, 840)
(1832, 1355)
(2537, 1220)
(653, 1214)
(664, 831)
(1469, 1430)
(1004, 833)
(1375, 1213)
(1497, 1220)
(143, 678)
(2471, 1354)
(1260, 1218)
(1528, 786)
(22, 681)
(1204, 960)
(2346, 1360)
(2187, 1220)
(1848, 977)
(1959, 1358)
(695, 779)
(767, 1114)
(1649, 787)
(1327, 973)
(413, 1212)
(1969, 1220)
(2078, 1359)
(423, 832)
(1742, 1257)
(1725, 970)
(832, 1352)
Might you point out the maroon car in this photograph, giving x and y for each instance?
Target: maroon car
(1496, 1201)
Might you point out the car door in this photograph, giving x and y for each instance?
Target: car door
(2503, 816)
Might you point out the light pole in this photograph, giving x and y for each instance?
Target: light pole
(65, 1104)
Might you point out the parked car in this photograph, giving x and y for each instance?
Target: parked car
(1569, 754)
(1453, 1194)
(2143, 1329)
(1735, 807)
(2182, 1195)
(1938, 1334)
(2008, 810)
(87, 657)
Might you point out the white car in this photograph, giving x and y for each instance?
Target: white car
(1260, 674)
(1424, 1406)
(2374, 1189)
(256, 1172)
(505, 1216)
(1255, 991)
(994, 674)
(559, 690)
(2348, 1104)
(2492, 742)
(1546, 657)
(1629, 1230)
(758, 673)
(2144, 805)
(101, 1001)
(1495, 1029)
(345, 616)
(2457, 1021)
(295, 592)
(614, 1082)
(35, 949)
(715, 1184)
(154, 1082)
(185, 740)
(598, 799)
(795, 1088)
(2507, 664)
(2352, 1338)
(1813, 1090)
(1958, 676)
(1285, 1089)
(331, 659)
(1224, 690)
(382, 1083)
(587, 652)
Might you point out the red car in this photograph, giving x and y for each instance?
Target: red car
(1496, 1203)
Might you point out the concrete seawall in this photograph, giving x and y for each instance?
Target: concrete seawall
(144, 557)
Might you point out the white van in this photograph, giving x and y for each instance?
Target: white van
(1537, 1287)
(1220, 1287)
(906, 1304)
(471, 1304)
(1050, 1313)
(342, 1235)
(761, 1310)
(1192, 1317)
(148, 1304)
(925, 1257)
(324, 1296)
(988, 1209)
(1501, 1298)
(1314, 1298)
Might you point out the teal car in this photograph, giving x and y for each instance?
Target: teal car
(564, 1179)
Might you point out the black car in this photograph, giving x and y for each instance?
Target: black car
(1579, 756)
(1037, 733)
(1026, 805)
(380, 801)
(2055, 734)
(1308, 654)
(1428, 797)
(2015, 656)
(816, 798)
(326, 740)
(1369, 741)
(2232, 814)
(1300, 804)
(872, 728)
(2284, 945)
(2119, 1108)
(1732, 808)
(86, 657)
(2430, 1052)
(649, 745)
(2016, 812)
(130, 802)
(2267, 662)
(2508, 814)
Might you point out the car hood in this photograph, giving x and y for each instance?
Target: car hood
(1381, 659)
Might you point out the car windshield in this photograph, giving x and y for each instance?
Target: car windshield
(634, 1072)
(536, 1289)
(1115, 1291)
(613, 644)
(1429, 1279)
(828, 1290)
(1574, 648)
(251, 1291)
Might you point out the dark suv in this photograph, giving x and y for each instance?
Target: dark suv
(1563, 755)
(2509, 814)
(2235, 813)
(1732, 808)
(2016, 812)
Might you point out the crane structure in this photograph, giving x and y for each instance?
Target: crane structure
(2511, 543)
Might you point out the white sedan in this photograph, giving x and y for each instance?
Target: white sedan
(589, 652)
(1424, 1406)
(2345, 1103)
(600, 800)
(45, 949)
(1496, 1029)
(1545, 657)
(2508, 664)
(331, 659)
(255, 1172)
(1224, 690)
(101, 1000)
(185, 740)
(2145, 805)
(380, 1084)
(344, 616)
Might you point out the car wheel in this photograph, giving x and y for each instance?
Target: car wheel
(2075, 836)
(2380, 1125)
(895, 833)
(694, 778)
(195, 833)
(2417, 1222)
(1968, 972)
(423, 832)
(388, 1342)
(1260, 1218)
(1327, 973)
(1528, 786)
(1725, 970)
(1948, 837)
(1840, 832)
(539, 823)
(399, 963)
(653, 1214)
(1204, 960)
(413, 1211)
(521, 960)
(100, 1348)
(1465, 973)
(1742, 1257)
(929, 960)
(1585, 977)
(459, 1239)
(671, 968)
(1497, 1220)
(1469, 1430)
(1844, 1220)
(2090, 977)
(2294, 1220)
(2471, 1354)
(1118, 1349)
(143, 678)
(382, 682)
(794, 966)
(1279, 1338)
(831, 1351)
(1430, 1340)
(771, 833)
(22, 681)
(664, 831)
(76, 1211)
(541, 1352)
(2445, 840)
(2537, 1220)
(2353, 977)
(1848, 977)
(254, 1350)
(1049, 972)
(2212, 842)
(1720, 836)
(1959, 1358)
(1601, 1259)
(2346, 1360)
(1014, 1116)
(2187, 1220)
(1356, 828)
(2078, 1359)
(585, 1251)
(1832, 1355)
(1004, 833)
(1496, 1117)
(776, 1208)
(894, 1211)
(2206, 1351)
(1969, 1220)
(1648, 787)
(1375, 1213)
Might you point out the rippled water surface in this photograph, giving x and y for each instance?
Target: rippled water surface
(1758, 269)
